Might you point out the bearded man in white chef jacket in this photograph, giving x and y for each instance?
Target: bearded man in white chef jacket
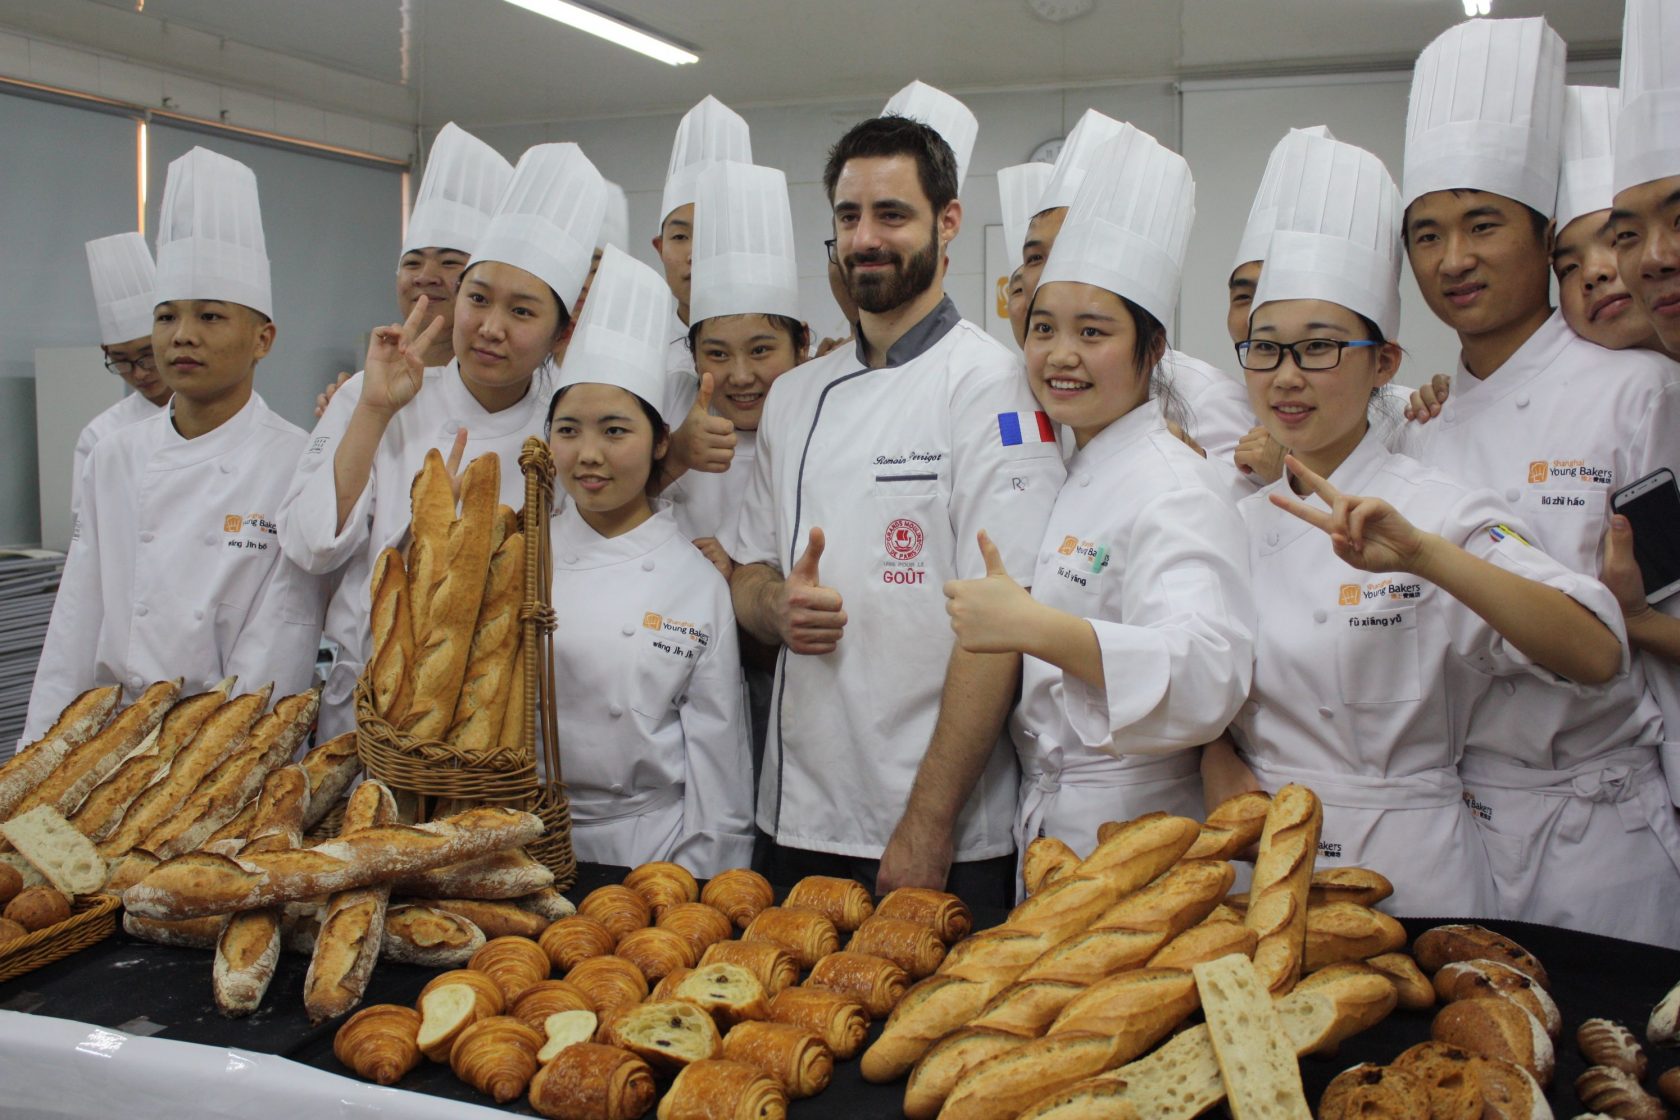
(877, 465)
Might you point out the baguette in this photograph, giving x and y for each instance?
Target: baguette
(945, 1064)
(495, 918)
(67, 859)
(928, 1012)
(1262, 1076)
(432, 502)
(1027, 1007)
(392, 667)
(249, 944)
(103, 809)
(510, 739)
(414, 934)
(1277, 912)
(79, 722)
(331, 767)
(354, 922)
(204, 883)
(271, 743)
(440, 660)
(220, 736)
(477, 725)
(1347, 931)
(1046, 860)
(1358, 885)
(1206, 942)
(1364, 997)
(87, 764)
(1233, 827)
(510, 873)
(1135, 855)
(548, 903)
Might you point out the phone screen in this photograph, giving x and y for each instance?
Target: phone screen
(1655, 515)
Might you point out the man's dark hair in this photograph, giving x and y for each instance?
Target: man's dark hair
(885, 137)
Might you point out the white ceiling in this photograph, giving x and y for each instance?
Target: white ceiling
(485, 62)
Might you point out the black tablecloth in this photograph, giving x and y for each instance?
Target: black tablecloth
(141, 988)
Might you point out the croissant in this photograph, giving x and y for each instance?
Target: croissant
(789, 1054)
(663, 884)
(379, 1042)
(450, 1003)
(592, 1082)
(700, 925)
(573, 940)
(740, 894)
(609, 982)
(1046, 860)
(666, 1035)
(841, 1023)
(774, 968)
(806, 935)
(910, 946)
(668, 984)
(727, 992)
(497, 1056)
(874, 982)
(945, 914)
(618, 908)
(567, 1028)
(844, 902)
(548, 997)
(722, 1090)
(514, 963)
(656, 951)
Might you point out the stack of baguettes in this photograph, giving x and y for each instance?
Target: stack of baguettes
(446, 662)
(1054, 1012)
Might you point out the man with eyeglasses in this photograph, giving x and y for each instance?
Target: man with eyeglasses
(1565, 782)
(878, 464)
(123, 274)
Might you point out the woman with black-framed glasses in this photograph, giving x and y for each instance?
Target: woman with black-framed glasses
(1373, 646)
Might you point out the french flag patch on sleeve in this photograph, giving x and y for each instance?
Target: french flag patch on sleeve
(1016, 428)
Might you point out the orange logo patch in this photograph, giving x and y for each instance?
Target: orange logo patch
(651, 621)
(1537, 471)
(232, 523)
(1348, 595)
(1068, 545)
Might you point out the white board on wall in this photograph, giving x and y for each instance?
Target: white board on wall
(72, 386)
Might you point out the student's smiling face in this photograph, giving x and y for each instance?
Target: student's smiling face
(1478, 259)
(744, 354)
(435, 274)
(1081, 357)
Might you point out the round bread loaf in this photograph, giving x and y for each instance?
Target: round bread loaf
(11, 931)
(1373, 1091)
(1445, 944)
(1496, 1028)
(1491, 979)
(11, 882)
(37, 908)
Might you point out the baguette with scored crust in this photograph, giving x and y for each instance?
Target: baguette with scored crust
(1277, 910)
(511, 873)
(354, 922)
(391, 619)
(477, 726)
(87, 764)
(1233, 827)
(249, 944)
(432, 511)
(80, 721)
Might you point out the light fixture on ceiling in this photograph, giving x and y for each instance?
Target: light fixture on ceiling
(610, 29)
(1059, 11)
(1473, 8)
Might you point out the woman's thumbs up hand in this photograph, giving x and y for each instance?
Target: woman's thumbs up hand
(993, 614)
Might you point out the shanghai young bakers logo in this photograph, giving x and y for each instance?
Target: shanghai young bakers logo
(232, 523)
(1348, 595)
(1537, 471)
(904, 539)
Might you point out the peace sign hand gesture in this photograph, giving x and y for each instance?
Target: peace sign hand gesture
(396, 360)
(1366, 533)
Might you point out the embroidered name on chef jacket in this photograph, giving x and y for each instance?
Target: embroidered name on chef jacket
(1086, 560)
(248, 532)
(675, 637)
(1568, 470)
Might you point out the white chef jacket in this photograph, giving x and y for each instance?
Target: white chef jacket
(1218, 414)
(900, 467)
(380, 518)
(1364, 682)
(1144, 545)
(654, 739)
(132, 409)
(1579, 826)
(708, 505)
(175, 569)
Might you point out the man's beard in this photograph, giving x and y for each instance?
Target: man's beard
(880, 292)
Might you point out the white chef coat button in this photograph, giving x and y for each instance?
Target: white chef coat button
(679, 497)
(616, 710)
(227, 468)
(1325, 712)
(198, 616)
(1271, 538)
(617, 787)
(450, 427)
(210, 539)
(140, 611)
(146, 538)
(1084, 480)
(1320, 615)
(647, 565)
(1513, 494)
(1510, 687)
(135, 682)
(1522, 401)
(571, 559)
(628, 630)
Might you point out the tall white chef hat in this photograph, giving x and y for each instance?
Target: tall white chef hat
(743, 244)
(1262, 216)
(1337, 233)
(210, 236)
(942, 113)
(464, 179)
(548, 219)
(615, 228)
(1089, 134)
(1589, 146)
(1648, 133)
(1128, 229)
(124, 278)
(1019, 189)
(622, 334)
(707, 133)
(1486, 112)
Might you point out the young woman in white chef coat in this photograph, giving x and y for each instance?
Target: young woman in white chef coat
(1138, 627)
(349, 497)
(647, 672)
(1375, 644)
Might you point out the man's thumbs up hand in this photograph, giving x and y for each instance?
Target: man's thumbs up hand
(810, 618)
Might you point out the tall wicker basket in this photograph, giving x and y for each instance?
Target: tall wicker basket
(437, 771)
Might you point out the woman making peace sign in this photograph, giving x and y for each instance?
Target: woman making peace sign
(1373, 646)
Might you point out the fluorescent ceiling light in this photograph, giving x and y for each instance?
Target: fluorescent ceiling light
(1474, 8)
(587, 19)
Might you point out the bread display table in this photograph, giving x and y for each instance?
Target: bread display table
(65, 1031)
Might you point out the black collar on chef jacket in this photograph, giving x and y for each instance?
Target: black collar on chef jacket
(919, 339)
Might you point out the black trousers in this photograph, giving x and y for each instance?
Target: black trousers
(982, 883)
